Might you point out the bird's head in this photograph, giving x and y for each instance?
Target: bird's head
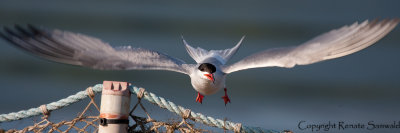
(207, 71)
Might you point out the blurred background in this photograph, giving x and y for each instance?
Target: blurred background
(358, 88)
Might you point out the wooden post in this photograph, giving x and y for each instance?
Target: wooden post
(114, 109)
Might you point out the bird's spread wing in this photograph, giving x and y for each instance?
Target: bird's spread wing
(199, 54)
(77, 49)
(333, 44)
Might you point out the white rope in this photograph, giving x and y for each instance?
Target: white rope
(152, 98)
(49, 107)
(198, 117)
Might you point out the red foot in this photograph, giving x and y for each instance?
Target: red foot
(226, 98)
(199, 98)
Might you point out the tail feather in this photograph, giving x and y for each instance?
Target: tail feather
(199, 54)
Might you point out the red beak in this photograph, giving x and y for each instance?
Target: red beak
(210, 77)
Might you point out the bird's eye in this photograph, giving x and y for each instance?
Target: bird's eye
(207, 67)
(201, 67)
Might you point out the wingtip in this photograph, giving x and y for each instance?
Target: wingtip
(396, 21)
(244, 36)
(241, 40)
(392, 22)
(183, 40)
(5, 33)
(379, 21)
(22, 30)
(34, 29)
(9, 31)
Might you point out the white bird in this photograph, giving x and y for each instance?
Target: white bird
(208, 75)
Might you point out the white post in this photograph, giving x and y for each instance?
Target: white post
(114, 108)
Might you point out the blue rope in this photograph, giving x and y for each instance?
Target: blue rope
(152, 98)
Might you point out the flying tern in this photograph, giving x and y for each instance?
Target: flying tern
(208, 75)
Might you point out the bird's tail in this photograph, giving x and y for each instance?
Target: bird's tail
(199, 54)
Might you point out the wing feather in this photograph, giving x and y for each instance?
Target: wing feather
(333, 44)
(78, 49)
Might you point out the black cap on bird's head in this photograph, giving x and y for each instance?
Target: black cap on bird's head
(209, 68)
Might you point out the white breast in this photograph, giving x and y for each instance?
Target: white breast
(207, 87)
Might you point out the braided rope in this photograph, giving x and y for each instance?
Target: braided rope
(50, 107)
(198, 117)
(152, 98)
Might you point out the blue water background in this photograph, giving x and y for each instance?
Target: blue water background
(358, 88)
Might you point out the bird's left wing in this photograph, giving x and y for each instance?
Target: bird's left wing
(77, 49)
(333, 44)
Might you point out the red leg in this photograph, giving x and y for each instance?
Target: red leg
(226, 98)
(199, 98)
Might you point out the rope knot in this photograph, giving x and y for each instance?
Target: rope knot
(90, 92)
(237, 128)
(140, 93)
(186, 114)
(44, 110)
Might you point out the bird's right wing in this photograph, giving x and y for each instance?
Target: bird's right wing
(77, 49)
(333, 44)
